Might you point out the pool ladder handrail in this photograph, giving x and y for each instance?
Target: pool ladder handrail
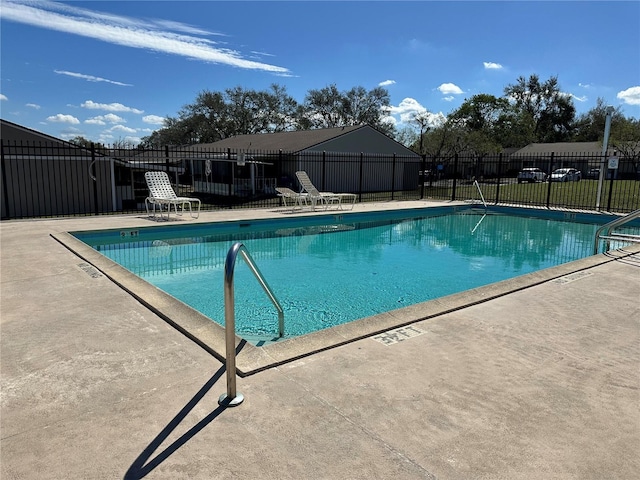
(477, 185)
(605, 231)
(232, 398)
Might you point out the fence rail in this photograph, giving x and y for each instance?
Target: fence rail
(54, 179)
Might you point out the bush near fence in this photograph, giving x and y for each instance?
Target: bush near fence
(48, 180)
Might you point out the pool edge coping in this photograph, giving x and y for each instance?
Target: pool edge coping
(252, 359)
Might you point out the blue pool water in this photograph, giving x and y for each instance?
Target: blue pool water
(331, 270)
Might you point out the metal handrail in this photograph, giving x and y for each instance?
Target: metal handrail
(232, 397)
(608, 227)
(475, 182)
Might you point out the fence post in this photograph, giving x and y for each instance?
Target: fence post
(166, 160)
(498, 179)
(424, 167)
(360, 179)
(549, 180)
(393, 177)
(455, 175)
(95, 178)
(232, 176)
(5, 194)
(610, 189)
(324, 166)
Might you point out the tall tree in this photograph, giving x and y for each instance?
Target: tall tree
(589, 127)
(424, 121)
(550, 111)
(236, 111)
(329, 108)
(481, 117)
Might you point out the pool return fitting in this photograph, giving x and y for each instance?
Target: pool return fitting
(233, 398)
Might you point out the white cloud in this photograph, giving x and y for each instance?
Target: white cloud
(70, 133)
(449, 98)
(386, 83)
(584, 85)
(122, 128)
(153, 119)
(132, 140)
(157, 36)
(492, 66)
(630, 96)
(104, 119)
(91, 78)
(3, 97)
(450, 89)
(581, 99)
(109, 107)
(409, 108)
(61, 118)
(33, 105)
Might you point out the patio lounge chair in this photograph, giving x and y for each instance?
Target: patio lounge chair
(161, 194)
(294, 199)
(326, 198)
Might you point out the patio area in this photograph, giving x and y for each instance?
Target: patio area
(543, 382)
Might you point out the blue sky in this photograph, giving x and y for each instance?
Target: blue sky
(112, 70)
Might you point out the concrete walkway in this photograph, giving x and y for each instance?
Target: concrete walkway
(540, 383)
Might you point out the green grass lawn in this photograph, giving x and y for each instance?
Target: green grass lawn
(625, 196)
(582, 195)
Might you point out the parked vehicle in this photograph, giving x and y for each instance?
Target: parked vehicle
(531, 175)
(593, 173)
(566, 175)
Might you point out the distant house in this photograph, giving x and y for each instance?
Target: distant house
(569, 154)
(336, 159)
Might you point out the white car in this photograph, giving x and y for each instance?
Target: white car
(566, 175)
(531, 175)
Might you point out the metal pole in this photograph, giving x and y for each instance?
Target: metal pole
(605, 145)
(112, 171)
(231, 398)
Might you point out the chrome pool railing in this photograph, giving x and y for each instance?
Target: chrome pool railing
(232, 398)
(605, 231)
(477, 185)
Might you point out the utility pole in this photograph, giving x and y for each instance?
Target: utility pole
(603, 161)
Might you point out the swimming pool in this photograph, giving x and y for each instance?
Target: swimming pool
(330, 270)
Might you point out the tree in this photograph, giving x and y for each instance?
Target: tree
(330, 108)
(626, 140)
(236, 111)
(550, 111)
(85, 143)
(443, 142)
(589, 127)
(481, 118)
(81, 141)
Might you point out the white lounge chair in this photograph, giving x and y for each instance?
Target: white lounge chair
(292, 199)
(326, 198)
(161, 194)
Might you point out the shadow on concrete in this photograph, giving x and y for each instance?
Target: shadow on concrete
(144, 464)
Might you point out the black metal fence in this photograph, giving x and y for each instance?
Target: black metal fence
(57, 179)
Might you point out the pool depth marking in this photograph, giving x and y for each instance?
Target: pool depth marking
(571, 277)
(398, 335)
(89, 270)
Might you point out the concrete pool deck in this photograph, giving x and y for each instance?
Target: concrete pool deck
(543, 382)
